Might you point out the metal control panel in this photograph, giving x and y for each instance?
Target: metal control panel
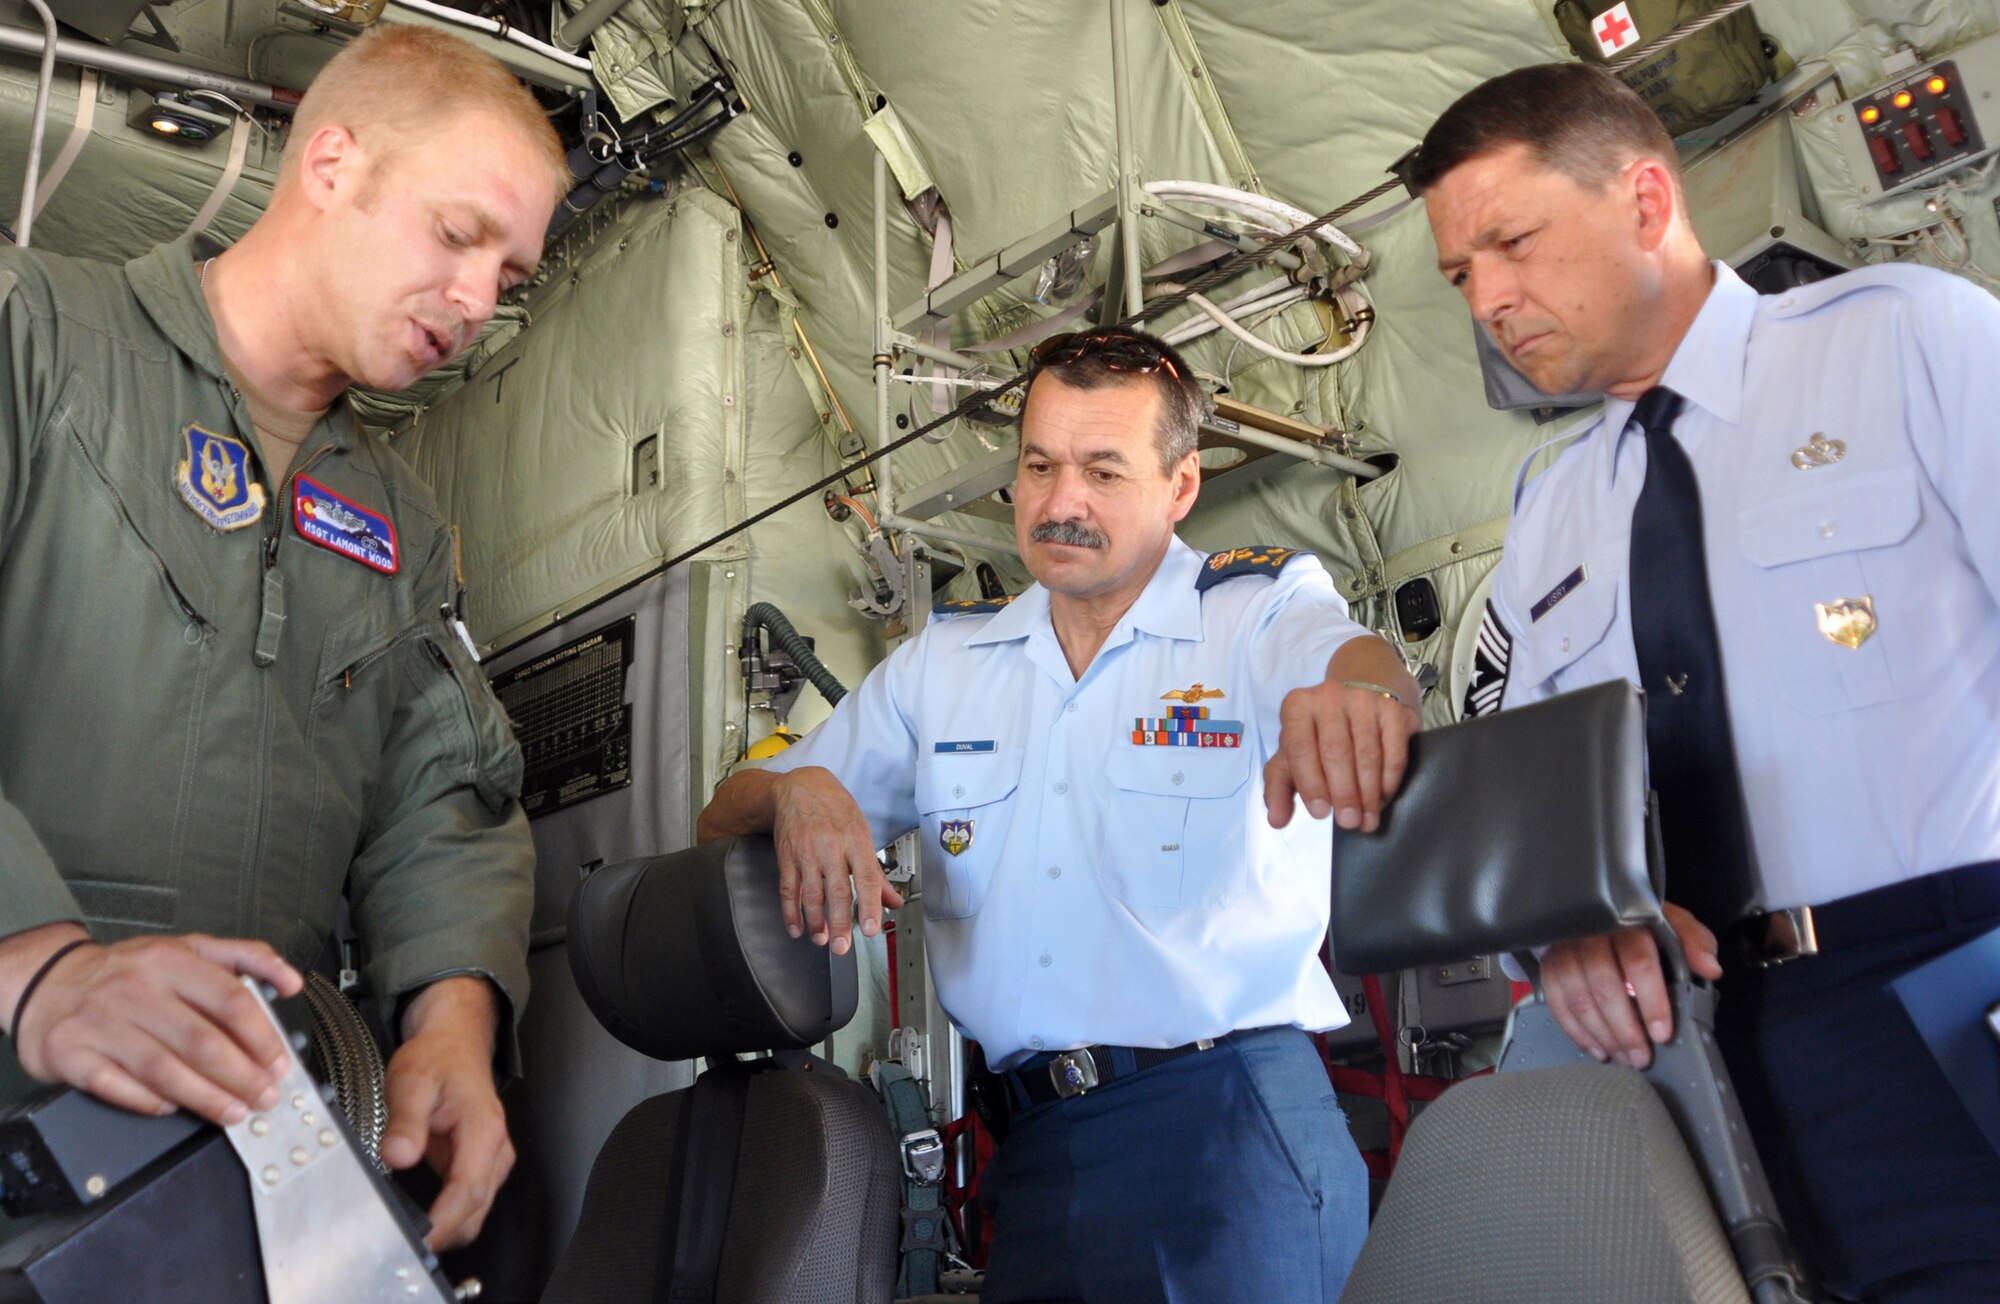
(1914, 130)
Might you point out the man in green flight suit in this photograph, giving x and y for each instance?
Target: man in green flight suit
(233, 688)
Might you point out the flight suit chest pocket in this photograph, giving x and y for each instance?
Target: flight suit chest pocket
(1569, 645)
(1174, 829)
(962, 816)
(1830, 580)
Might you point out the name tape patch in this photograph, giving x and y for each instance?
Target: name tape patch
(1570, 584)
(344, 526)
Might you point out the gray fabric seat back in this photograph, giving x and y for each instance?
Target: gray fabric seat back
(686, 956)
(1565, 1185)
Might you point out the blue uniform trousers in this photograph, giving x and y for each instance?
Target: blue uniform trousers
(1889, 1189)
(1222, 1176)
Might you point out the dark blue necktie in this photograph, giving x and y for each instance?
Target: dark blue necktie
(1689, 749)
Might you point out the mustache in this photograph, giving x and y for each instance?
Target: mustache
(1070, 532)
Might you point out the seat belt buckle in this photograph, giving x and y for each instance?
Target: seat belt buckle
(923, 1157)
(1073, 1072)
(1788, 935)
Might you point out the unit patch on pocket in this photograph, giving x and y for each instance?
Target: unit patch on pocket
(343, 526)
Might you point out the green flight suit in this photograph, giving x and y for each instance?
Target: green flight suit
(221, 730)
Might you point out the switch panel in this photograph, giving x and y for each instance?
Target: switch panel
(1913, 131)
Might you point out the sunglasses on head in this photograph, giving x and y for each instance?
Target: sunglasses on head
(1118, 352)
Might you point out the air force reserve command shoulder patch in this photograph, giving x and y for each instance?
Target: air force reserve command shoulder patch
(214, 480)
(1231, 562)
(344, 526)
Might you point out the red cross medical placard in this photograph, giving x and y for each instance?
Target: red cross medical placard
(1614, 30)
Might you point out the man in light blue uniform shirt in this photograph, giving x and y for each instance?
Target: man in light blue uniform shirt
(1117, 903)
(1843, 439)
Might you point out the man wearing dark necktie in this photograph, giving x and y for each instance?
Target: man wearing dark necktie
(1778, 528)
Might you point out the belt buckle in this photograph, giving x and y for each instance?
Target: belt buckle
(1073, 1072)
(923, 1157)
(1788, 936)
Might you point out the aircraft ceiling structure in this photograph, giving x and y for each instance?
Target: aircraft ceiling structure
(1006, 112)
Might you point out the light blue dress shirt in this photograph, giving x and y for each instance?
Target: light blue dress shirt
(1846, 438)
(1101, 891)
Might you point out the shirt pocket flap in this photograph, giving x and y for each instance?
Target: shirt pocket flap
(1566, 631)
(1872, 509)
(1180, 771)
(969, 779)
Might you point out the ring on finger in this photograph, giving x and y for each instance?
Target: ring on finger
(1631, 991)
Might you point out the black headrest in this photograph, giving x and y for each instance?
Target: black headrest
(686, 955)
(1511, 831)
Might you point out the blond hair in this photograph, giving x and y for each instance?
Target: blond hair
(393, 83)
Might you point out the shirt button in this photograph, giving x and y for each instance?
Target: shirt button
(1069, 706)
(1061, 788)
(1034, 1043)
(1046, 960)
(1565, 645)
(1826, 529)
(959, 791)
(1055, 871)
(1178, 776)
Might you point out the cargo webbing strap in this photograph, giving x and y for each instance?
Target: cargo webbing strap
(1396, 1089)
(923, 1187)
(701, 1179)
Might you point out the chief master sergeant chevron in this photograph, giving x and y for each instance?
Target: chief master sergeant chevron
(1106, 867)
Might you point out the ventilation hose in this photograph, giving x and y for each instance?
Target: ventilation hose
(763, 615)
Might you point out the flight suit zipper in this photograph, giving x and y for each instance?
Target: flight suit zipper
(271, 621)
(270, 629)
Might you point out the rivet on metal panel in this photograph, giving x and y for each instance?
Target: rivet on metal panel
(95, 1185)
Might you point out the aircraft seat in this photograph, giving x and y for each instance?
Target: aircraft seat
(1556, 1178)
(781, 1172)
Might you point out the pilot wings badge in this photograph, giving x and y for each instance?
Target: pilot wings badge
(214, 480)
(1192, 696)
(955, 836)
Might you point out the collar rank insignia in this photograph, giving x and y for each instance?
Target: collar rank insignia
(970, 606)
(341, 525)
(1194, 696)
(955, 836)
(214, 480)
(1231, 562)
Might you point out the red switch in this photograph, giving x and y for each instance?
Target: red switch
(1948, 122)
(1920, 140)
(1885, 156)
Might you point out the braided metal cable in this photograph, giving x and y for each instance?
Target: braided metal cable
(346, 1057)
(1681, 33)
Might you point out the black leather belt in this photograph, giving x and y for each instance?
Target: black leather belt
(1078, 1072)
(1915, 905)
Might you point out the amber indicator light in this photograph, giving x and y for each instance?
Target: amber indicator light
(1903, 99)
(1871, 115)
(1936, 85)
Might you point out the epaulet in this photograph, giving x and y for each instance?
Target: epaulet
(1231, 562)
(970, 606)
(1907, 277)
